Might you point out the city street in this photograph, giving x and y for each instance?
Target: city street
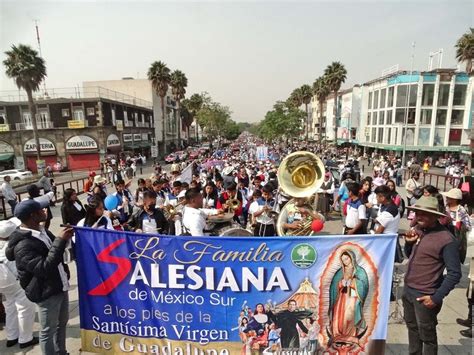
(450, 340)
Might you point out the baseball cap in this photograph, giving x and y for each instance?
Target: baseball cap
(8, 226)
(25, 208)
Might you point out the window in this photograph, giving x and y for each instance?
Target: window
(381, 117)
(396, 136)
(409, 136)
(413, 92)
(43, 116)
(424, 136)
(3, 118)
(376, 99)
(78, 114)
(411, 115)
(368, 118)
(459, 97)
(65, 112)
(439, 137)
(457, 117)
(389, 134)
(370, 100)
(27, 118)
(443, 95)
(441, 117)
(383, 93)
(426, 116)
(90, 111)
(428, 94)
(125, 117)
(380, 137)
(113, 117)
(372, 138)
(389, 117)
(143, 119)
(455, 136)
(390, 96)
(402, 93)
(374, 118)
(136, 118)
(400, 115)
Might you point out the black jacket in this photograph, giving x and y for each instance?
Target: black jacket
(136, 221)
(37, 265)
(70, 214)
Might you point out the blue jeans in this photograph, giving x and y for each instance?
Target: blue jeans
(12, 204)
(53, 317)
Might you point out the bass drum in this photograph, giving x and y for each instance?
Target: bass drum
(235, 232)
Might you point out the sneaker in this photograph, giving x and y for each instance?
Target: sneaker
(32, 342)
(464, 322)
(12, 342)
(466, 333)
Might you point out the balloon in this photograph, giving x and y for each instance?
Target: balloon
(317, 225)
(111, 202)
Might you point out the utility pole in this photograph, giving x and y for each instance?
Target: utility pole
(40, 53)
(407, 104)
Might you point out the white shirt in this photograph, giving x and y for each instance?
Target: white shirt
(8, 192)
(263, 218)
(44, 237)
(194, 220)
(388, 220)
(355, 215)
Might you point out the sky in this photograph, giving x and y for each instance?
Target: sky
(246, 55)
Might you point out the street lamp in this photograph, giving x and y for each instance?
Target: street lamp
(405, 124)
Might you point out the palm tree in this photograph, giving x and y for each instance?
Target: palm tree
(194, 104)
(179, 82)
(28, 70)
(159, 75)
(465, 50)
(306, 95)
(296, 98)
(321, 91)
(336, 75)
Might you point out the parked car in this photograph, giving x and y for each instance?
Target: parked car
(182, 155)
(16, 174)
(194, 154)
(171, 158)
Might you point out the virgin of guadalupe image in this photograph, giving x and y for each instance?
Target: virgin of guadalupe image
(347, 294)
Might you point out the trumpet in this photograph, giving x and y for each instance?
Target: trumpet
(232, 204)
(170, 211)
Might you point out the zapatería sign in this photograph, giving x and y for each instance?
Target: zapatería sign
(231, 295)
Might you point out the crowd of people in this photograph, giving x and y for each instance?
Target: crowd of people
(232, 188)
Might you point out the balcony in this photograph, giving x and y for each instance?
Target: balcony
(29, 126)
(142, 124)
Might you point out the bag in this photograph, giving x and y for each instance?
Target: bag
(344, 207)
(418, 192)
(465, 187)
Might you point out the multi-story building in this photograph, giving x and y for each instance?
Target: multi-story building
(76, 128)
(422, 112)
(348, 113)
(142, 88)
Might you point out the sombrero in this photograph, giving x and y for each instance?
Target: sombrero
(427, 204)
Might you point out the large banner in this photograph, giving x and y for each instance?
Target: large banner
(233, 295)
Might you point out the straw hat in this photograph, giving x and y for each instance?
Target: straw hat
(455, 194)
(99, 180)
(427, 204)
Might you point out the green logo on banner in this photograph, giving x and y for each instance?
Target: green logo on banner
(303, 256)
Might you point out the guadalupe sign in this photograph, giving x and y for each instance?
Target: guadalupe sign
(45, 146)
(81, 142)
(113, 141)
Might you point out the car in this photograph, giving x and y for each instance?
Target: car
(171, 158)
(182, 155)
(194, 154)
(16, 174)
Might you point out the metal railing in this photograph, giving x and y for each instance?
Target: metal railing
(29, 126)
(76, 184)
(440, 181)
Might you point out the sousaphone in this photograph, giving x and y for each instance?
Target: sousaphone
(300, 175)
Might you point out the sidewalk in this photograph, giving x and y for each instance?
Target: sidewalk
(450, 341)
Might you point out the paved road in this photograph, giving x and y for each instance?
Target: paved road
(455, 306)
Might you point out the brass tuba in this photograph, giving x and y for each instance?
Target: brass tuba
(300, 175)
(232, 204)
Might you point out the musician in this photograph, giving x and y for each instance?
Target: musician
(265, 225)
(230, 194)
(298, 214)
(160, 193)
(125, 201)
(172, 197)
(149, 219)
(194, 216)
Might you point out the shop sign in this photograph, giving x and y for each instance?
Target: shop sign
(144, 136)
(81, 143)
(113, 141)
(5, 148)
(4, 128)
(75, 124)
(137, 137)
(45, 146)
(127, 137)
(119, 125)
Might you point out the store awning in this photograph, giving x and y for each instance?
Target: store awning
(6, 156)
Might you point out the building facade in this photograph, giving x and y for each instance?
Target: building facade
(422, 112)
(77, 130)
(142, 89)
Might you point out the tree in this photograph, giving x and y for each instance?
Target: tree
(336, 75)
(231, 130)
(306, 95)
(213, 117)
(296, 98)
(28, 69)
(159, 75)
(194, 104)
(321, 91)
(178, 82)
(186, 117)
(465, 50)
(283, 122)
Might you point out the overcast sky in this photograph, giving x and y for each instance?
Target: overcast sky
(247, 55)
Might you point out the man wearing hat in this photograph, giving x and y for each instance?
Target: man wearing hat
(42, 274)
(19, 310)
(431, 249)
